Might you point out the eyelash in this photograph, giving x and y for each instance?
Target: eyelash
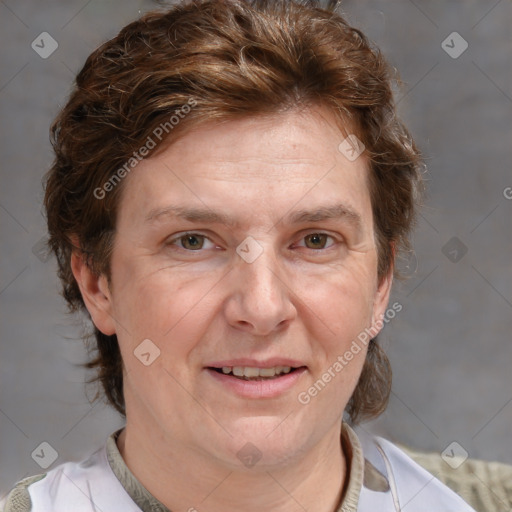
(183, 235)
(195, 234)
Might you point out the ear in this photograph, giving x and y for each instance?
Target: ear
(381, 300)
(95, 292)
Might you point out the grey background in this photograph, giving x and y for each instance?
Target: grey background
(450, 346)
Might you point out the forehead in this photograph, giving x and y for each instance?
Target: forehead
(262, 162)
(240, 148)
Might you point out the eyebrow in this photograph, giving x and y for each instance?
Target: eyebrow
(192, 215)
(205, 215)
(337, 211)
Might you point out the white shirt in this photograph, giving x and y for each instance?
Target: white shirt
(382, 478)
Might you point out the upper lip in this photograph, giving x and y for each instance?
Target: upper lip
(253, 363)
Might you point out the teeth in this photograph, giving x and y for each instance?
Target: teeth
(252, 372)
(238, 371)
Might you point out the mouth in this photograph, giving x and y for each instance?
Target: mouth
(252, 380)
(251, 373)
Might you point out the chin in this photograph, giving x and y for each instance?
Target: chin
(264, 441)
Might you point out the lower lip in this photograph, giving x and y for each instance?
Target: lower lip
(269, 388)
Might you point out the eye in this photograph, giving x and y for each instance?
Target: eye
(191, 241)
(317, 240)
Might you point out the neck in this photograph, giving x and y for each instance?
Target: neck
(169, 472)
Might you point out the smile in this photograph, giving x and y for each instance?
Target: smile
(255, 382)
(253, 373)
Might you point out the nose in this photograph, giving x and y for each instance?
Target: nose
(261, 298)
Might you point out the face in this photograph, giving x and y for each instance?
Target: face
(243, 246)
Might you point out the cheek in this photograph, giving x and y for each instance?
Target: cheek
(344, 296)
(340, 308)
(160, 305)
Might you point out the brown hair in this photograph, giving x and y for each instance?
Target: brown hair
(228, 59)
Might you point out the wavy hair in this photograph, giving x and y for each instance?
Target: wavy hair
(235, 59)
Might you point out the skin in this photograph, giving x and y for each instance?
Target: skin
(304, 297)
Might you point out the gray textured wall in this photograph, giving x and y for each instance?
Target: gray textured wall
(450, 346)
